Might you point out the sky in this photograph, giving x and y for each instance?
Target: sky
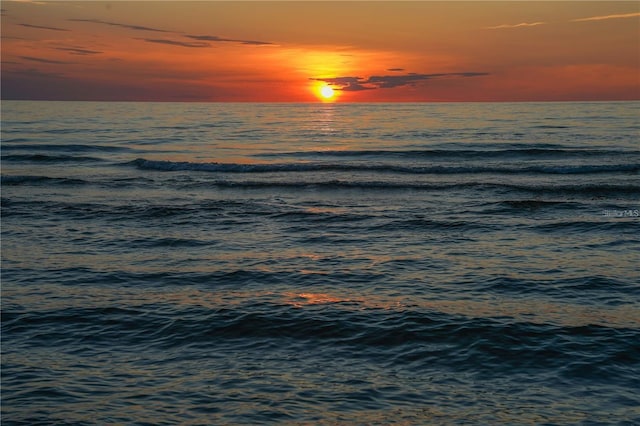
(301, 51)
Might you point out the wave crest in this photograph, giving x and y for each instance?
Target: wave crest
(165, 165)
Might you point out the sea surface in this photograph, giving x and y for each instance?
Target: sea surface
(320, 264)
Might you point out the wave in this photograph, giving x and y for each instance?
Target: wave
(631, 225)
(589, 190)
(11, 145)
(41, 158)
(163, 165)
(588, 287)
(550, 126)
(420, 224)
(128, 212)
(553, 152)
(33, 179)
(536, 204)
(408, 337)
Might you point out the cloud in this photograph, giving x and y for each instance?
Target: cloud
(40, 27)
(347, 84)
(201, 40)
(354, 84)
(77, 51)
(116, 24)
(520, 25)
(45, 61)
(231, 40)
(176, 42)
(395, 69)
(603, 17)
(32, 73)
(391, 81)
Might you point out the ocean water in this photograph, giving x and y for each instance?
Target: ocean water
(185, 263)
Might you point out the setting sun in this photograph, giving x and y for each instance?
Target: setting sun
(327, 92)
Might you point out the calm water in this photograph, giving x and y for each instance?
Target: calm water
(320, 264)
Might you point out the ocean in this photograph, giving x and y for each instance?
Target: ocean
(320, 264)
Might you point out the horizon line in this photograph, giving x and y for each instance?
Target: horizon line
(324, 102)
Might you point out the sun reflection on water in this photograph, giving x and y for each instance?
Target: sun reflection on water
(536, 311)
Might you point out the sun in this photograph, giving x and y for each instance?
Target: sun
(327, 92)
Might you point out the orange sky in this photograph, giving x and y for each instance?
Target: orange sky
(284, 51)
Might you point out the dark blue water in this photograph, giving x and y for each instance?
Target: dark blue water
(320, 264)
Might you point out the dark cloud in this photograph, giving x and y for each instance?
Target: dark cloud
(201, 40)
(77, 51)
(176, 42)
(116, 24)
(395, 69)
(30, 84)
(231, 40)
(469, 74)
(45, 61)
(40, 27)
(390, 81)
(32, 73)
(204, 41)
(352, 84)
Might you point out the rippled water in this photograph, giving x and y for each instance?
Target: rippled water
(320, 264)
